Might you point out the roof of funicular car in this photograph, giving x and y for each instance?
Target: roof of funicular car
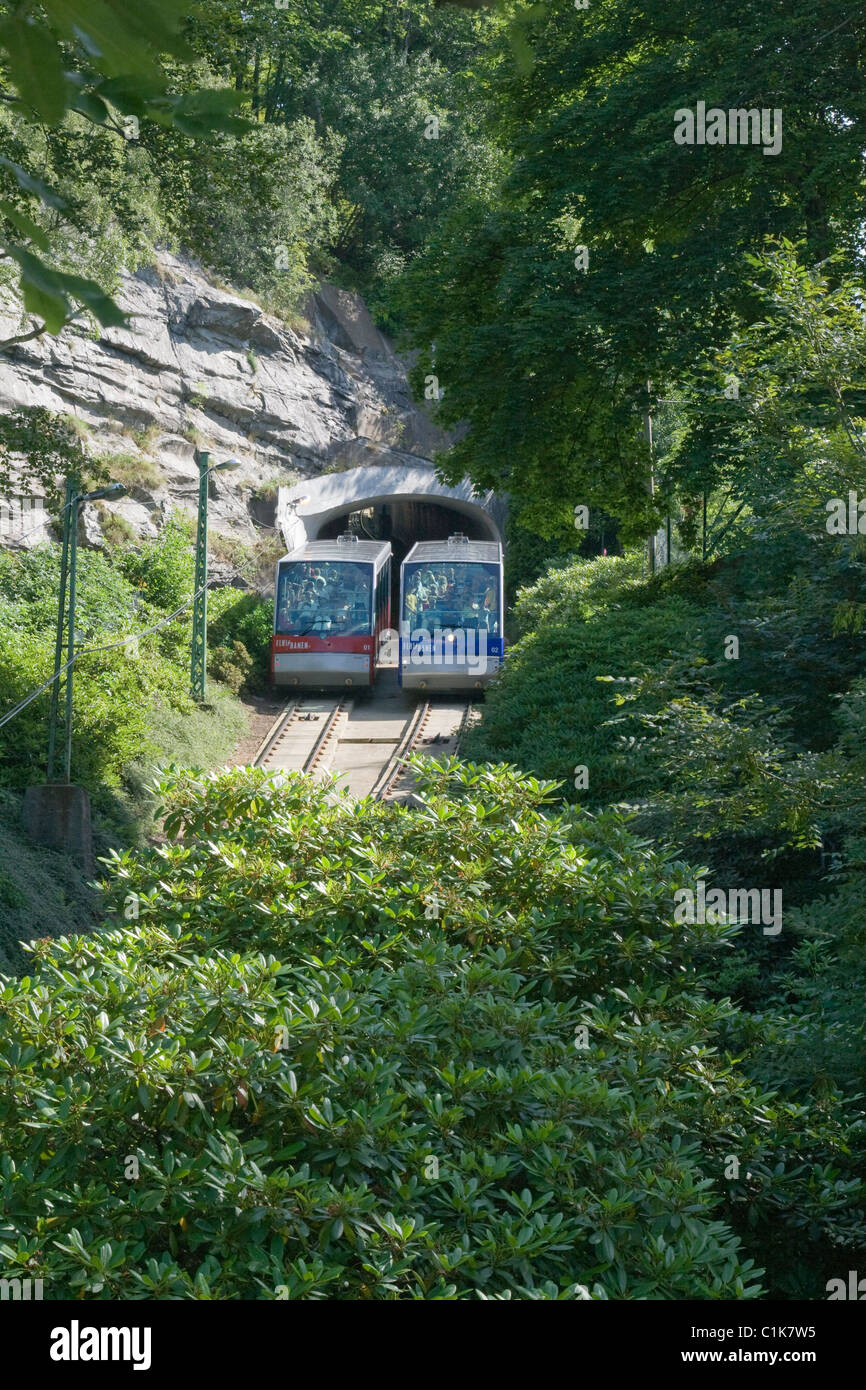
(364, 551)
(479, 552)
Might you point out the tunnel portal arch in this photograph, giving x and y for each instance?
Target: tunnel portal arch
(413, 502)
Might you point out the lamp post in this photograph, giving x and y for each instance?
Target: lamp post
(198, 663)
(68, 575)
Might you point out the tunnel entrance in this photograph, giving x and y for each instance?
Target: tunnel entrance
(403, 521)
(400, 502)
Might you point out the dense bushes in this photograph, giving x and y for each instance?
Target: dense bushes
(583, 623)
(132, 710)
(824, 1040)
(163, 569)
(448, 1052)
(231, 665)
(242, 620)
(130, 701)
(126, 697)
(750, 762)
(701, 698)
(429, 1128)
(706, 700)
(117, 699)
(30, 580)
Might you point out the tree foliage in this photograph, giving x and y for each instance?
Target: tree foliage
(547, 358)
(103, 63)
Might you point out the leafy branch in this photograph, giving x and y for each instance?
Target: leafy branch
(116, 56)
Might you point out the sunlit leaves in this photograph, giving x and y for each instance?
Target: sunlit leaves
(113, 54)
(120, 38)
(30, 185)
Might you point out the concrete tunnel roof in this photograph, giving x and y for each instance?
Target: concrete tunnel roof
(335, 494)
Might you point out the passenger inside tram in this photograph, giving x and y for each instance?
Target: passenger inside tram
(324, 599)
(452, 596)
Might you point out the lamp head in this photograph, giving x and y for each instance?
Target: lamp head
(114, 490)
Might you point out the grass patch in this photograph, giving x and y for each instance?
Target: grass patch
(270, 486)
(115, 528)
(254, 562)
(229, 550)
(133, 470)
(146, 437)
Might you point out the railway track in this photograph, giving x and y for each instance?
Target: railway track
(364, 743)
(432, 728)
(302, 735)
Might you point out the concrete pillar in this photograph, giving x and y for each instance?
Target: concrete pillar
(58, 816)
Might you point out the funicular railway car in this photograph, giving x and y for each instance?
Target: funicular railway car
(333, 602)
(451, 611)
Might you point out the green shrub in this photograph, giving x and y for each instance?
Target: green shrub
(146, 437)
(231, 665)
(111, 715)
(632, 679)
(124, 698)
(550, 710)
(737, 762)
(406, 1040)
(115, 528)
(26, 660)
(163, 569)
(105, 601)
(823, 1045)
(369, 1079)
(247, 619)
(528, 554)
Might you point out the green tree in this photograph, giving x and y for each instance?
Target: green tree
(373, 78)
(258, 208)
(39, 448)
(103, 64)
(546, 351)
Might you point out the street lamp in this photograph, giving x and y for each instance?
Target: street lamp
(198, 664)
(69, 569)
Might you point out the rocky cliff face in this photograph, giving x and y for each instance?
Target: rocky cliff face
(201, 367)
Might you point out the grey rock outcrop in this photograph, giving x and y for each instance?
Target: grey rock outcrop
(201, 367)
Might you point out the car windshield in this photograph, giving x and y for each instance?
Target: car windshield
(463, 595)
(324, 597)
